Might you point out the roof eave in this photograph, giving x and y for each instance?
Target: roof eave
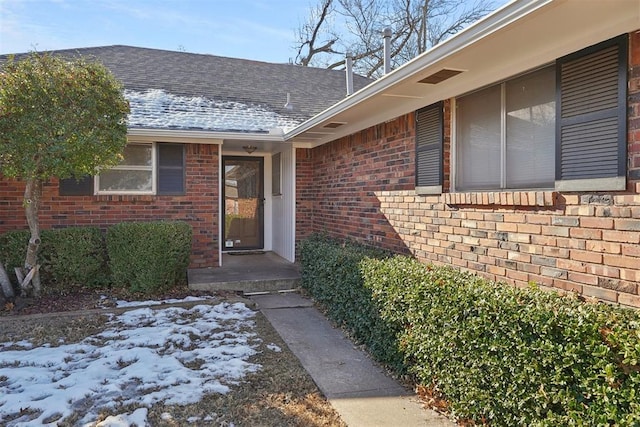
(521, 36)
(503, 16)
(199, 136)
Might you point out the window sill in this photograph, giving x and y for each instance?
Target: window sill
(423, 191)
(503, 198)
(125, 197)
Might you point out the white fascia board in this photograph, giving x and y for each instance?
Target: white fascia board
(197, 137)
(486, 26)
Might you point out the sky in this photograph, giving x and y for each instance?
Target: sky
(142, 357)
(262, 30)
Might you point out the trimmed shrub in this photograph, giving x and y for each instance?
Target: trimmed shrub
(330, 272)
(13, 249)
(506, 356)
(69, 256)
(75, 256)
(149, 256)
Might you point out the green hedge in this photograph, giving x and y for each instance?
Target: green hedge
(69, 256)
(330, 272)
(498, 355)
(75, 256)
(148, 256)
(509, 356)
(13, 249)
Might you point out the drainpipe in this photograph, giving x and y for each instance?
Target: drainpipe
(387, 50)
(349, 71)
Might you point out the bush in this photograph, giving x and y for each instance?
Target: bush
(509, 356)
(74, 256)
(330, 272)
(149, 256)
(69, 256)
(13, 249)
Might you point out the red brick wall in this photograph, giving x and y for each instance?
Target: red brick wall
(588, 243)
(304, 194)
(199, 207)
(348, 175)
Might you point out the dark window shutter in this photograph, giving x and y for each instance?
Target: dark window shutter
(276, 166)
(429, 137)
(76, 187)
(591, 120)
(171, 169)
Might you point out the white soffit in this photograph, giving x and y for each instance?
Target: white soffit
(198, 137)
(520, 36)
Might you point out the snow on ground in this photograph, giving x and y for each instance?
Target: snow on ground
(144, 356)
(159, 109)
(128, 304)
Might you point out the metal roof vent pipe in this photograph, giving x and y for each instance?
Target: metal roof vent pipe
(349, 70)
(288, 106)
(387, 50)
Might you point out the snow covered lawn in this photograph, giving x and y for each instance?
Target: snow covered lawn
(142, 357)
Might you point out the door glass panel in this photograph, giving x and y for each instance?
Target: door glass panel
(243, 198)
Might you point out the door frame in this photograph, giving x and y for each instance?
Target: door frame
(261, 202)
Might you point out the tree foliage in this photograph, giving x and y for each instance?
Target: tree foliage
(59, 117)
(335, 27)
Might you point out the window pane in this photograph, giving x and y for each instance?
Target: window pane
(125, 180)
(531, 109)
(137, 155)
(478, 140)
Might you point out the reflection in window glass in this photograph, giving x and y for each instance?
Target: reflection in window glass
(133, 175)
(505, 134)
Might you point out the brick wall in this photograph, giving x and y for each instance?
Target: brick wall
(304, 193)
(199, 207)
(589, 243)
(348, 172)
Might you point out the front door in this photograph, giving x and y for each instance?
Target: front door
(243, 195)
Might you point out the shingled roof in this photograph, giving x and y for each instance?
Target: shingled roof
(181, 90)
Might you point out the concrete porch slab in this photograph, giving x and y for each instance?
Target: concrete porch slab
(253, 272)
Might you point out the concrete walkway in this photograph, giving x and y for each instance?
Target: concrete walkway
(360, 391)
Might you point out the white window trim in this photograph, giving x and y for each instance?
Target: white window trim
(154, 168)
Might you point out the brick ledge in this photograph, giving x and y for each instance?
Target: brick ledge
(503, 198)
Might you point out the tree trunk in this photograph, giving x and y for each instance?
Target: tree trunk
(32, 195)
(5, 283)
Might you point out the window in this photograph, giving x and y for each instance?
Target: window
(562, 127)
(134, 174)
(506, 134)
(276, 167)
(146, 169)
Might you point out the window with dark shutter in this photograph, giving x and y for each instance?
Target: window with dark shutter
(171, 169)
(591, 118)
(76, 187)
(276, 166)
(429, 137)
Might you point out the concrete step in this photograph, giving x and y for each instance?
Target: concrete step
(248, 273)
(200, 283)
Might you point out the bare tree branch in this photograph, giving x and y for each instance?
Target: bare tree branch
(356, 26)
(308, 35)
